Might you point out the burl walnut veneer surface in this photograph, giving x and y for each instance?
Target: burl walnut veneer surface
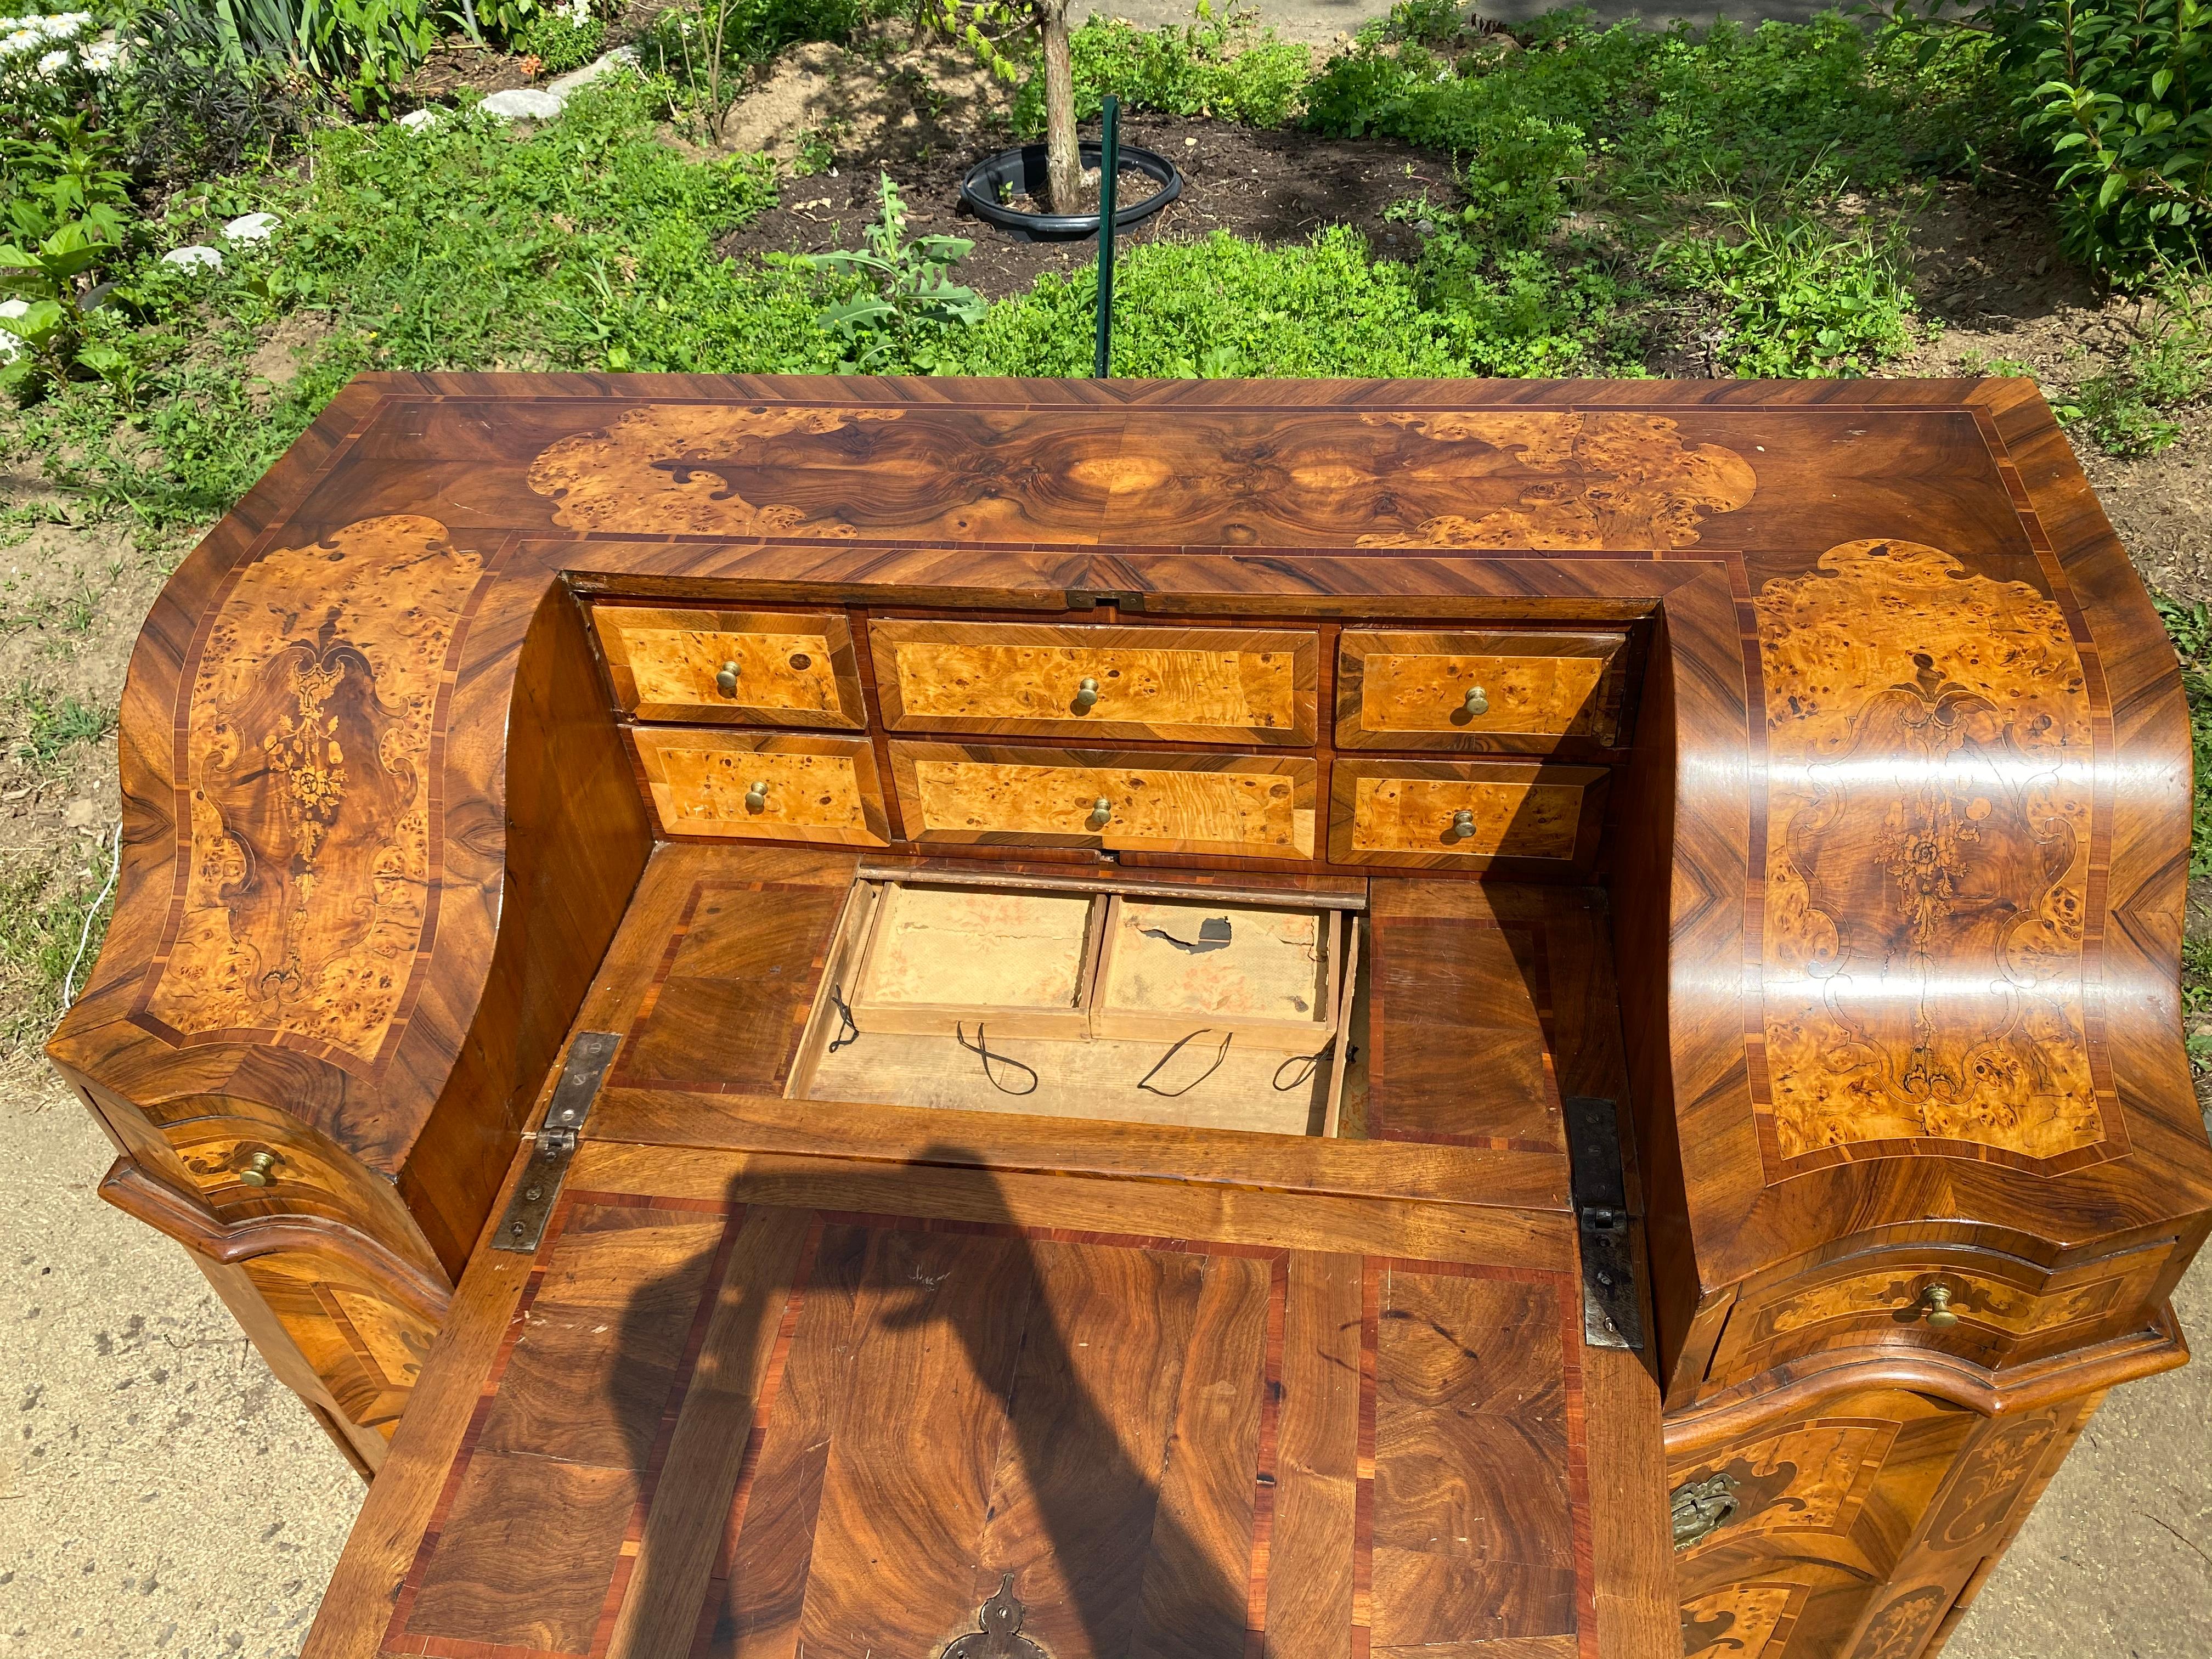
(1896, 830)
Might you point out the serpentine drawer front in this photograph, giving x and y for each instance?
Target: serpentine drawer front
(1994, 1309)
(1253, 806)
(763, 785)
(1440, 813)
(1179, 685)
(1494, 690)
(758, 667)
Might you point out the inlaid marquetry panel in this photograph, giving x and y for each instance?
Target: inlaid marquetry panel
(1435, 814)
(1258, 806)
(307, 745)
(1743, 1621)
(761, 667)
(745, 1429)
(2006, 1310)
(1812, 1477)
(1585, 480)
(751, 786)
(1077, 680)
(1518, 690)
(1928, 845)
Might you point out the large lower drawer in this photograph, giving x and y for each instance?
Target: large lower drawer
(1976, 1305)
(751, 667)
(1439, 814)
(1244, 806)
(1024, 679)
(763, 785)
(1477, 689)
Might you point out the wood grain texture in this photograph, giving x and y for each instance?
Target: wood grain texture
(1928, 858)
(1418, 690)
(738, 1420)
(1406, 814)
(1195, 685)
(789, 668)
(1247, 806)
(311, 730)
(704, 781)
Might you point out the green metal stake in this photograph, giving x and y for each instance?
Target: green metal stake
(1109, 158)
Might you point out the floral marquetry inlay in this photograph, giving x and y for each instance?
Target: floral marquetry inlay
(308, 735)
(1927, 858)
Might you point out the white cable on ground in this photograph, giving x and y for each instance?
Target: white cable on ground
(84, 938)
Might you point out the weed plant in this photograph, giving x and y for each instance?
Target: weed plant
(1220, 65)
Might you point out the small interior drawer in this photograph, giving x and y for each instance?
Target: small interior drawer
(1477, 689)
(763, 785)
(1247, 806)
(1437, 814)
(752, 667)
(1175, 684)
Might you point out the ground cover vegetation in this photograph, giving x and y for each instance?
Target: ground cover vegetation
(1732, 200)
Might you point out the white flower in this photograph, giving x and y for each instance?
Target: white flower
(251, 227)
(10, 345)
(102, 56)
(55, 61)
(194, 259)
(19, 41)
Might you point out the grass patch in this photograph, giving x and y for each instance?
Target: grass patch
(2190, 627)
(53, 726)
(1219, 66)
(45, 918)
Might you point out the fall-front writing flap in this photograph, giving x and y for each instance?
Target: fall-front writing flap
(832, 1414)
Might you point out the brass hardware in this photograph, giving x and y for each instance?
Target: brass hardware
(998, 1634)
(259, 1170)
(726, 681)
(756, 797)
(1086, 693)
(1477, 704)
(1101, 810)
(1463, 824)
(1700, 1508)
(1936, 1306)
(532, 1206)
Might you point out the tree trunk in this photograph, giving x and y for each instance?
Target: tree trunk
(1063, 160)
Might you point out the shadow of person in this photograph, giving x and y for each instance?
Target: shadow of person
(1074, 1432)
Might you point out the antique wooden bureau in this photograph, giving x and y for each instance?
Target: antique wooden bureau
(909, 1017)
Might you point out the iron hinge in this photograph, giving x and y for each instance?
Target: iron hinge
(538, 1188)
(1613, 1312)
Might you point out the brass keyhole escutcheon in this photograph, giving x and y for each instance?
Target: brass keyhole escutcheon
(1700, 1508)
(726, 681)
(756, 797)
(1935, 1308)
(801, 662)
(1101, 811)
(259, 1170)
(1463, 824)
(1086, 693)
(1478, 701)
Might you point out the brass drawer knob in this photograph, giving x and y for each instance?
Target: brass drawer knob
(1935, 1307)
(726, 681)
(1101, 811)
(259, 1170)
(756, 797)
(1086, 693)
(1477, 702)
(1463, 824)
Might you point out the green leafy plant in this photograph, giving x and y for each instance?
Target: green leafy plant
(559, 41)
(1800, 297)
(1216, 65)
(699, 43)
(2116, 100)
(906, 284)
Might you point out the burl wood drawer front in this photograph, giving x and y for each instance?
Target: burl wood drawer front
(1476, 690)
(1175, 684)
(755, 667)
(1994, 1309)
(763, 785)
(1247, 805)
(1436, 814)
